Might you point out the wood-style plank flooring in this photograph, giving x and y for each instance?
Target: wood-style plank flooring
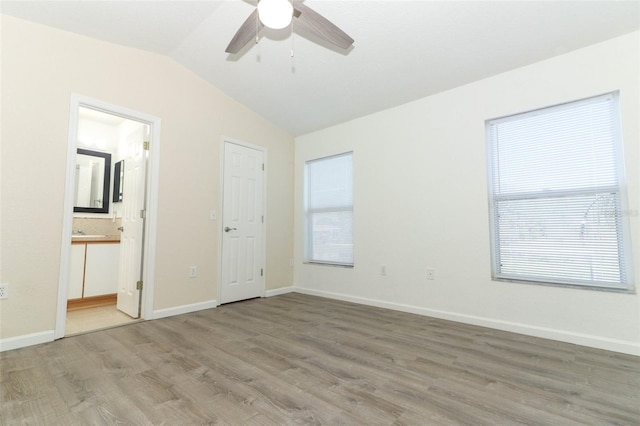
(297, 359)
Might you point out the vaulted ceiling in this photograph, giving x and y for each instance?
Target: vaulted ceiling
(403, 50)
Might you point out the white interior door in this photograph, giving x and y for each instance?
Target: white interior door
(131, 237)
(242, 222)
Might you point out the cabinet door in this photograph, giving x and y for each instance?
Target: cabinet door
(76, 275)
(101, 273)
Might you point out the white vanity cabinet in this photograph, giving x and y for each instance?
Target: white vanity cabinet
(76, 278)
(94, 269)
(101, 271)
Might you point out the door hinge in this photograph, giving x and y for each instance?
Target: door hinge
(143, 214)
(139, 285)
(261, 272)
(263, 219)
(262, 166)
(145, 145)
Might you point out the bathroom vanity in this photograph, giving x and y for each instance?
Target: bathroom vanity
(94, 271)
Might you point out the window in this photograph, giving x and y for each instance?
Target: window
(329, 210)
(556, 199)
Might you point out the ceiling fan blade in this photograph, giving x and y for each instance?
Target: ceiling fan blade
(245, 33)
(321, 26)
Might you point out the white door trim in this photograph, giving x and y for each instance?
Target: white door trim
(148, 272)
(225, 140)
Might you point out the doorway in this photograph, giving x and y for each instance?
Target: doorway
(106, 267)
(242, 264)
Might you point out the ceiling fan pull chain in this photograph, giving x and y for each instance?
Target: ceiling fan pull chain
(291, 34)
(292, 45)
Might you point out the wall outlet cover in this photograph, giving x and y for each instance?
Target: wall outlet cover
(193, 271)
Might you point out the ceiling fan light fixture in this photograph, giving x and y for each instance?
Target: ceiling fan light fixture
(275, 14)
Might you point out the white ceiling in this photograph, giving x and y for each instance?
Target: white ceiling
(403, 50)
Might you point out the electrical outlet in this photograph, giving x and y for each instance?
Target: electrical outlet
(193, 271)
(431, 274)
(4, 291)
(213, 215)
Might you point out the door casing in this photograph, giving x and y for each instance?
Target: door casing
(148, 271)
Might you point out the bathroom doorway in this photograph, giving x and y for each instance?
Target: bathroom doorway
(108, 246)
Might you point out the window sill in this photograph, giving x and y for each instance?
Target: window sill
(337, 265)
(630, 290)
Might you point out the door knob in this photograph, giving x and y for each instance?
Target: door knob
(121, 228)
(227, 229)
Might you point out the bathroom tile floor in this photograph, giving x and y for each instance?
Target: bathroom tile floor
(92, 319)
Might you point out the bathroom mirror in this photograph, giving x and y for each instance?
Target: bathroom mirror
(93, 178)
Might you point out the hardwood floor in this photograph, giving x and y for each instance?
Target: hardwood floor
(297, 359)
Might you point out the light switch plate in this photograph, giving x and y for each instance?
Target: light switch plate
(4, 291)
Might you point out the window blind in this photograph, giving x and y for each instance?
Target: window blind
(329, 210)
(556, 200)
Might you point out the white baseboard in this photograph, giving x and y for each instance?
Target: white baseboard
(623, 346)
(628, 347)
(279, 291)
(26, 340)
(184, 309)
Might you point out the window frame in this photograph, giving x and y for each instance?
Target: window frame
(625, 256)
(308, 225)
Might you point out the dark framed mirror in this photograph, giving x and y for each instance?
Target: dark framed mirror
(118, 181)
(93, 179)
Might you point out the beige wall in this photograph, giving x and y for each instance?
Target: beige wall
(420, 200)
(41, 68)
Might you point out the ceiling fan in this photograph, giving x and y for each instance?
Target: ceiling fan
(279, 14)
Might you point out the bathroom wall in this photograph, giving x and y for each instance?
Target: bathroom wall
(97, 226)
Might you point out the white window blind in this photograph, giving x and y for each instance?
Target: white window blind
(329, 210)
(555, 195)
